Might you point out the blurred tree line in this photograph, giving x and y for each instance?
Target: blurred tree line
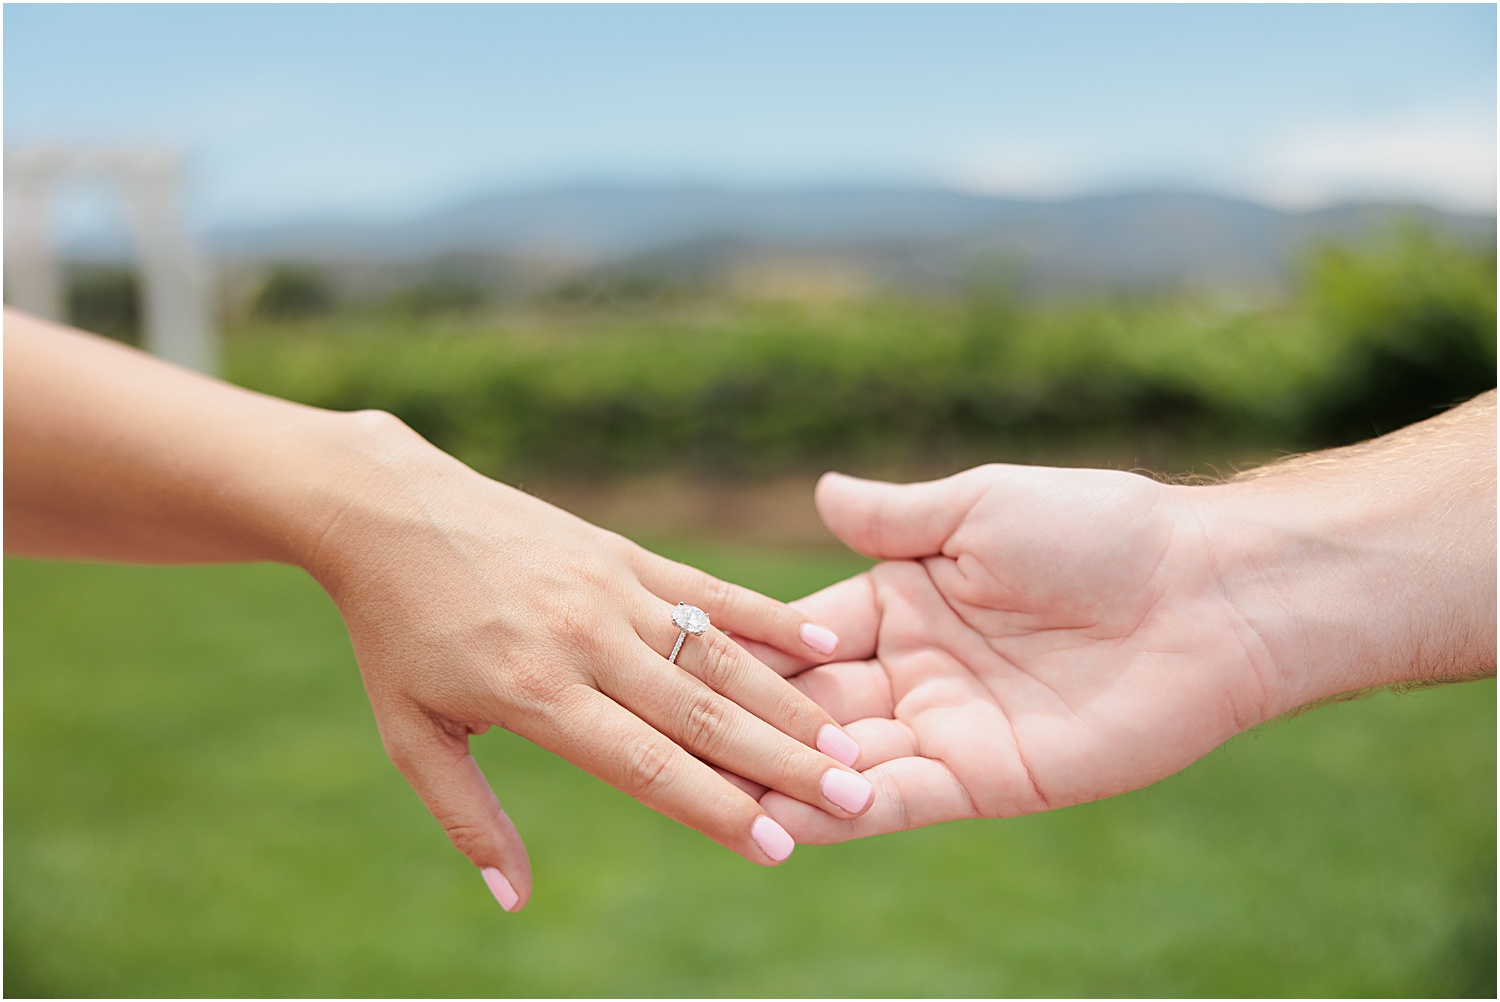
(105, 299)
(1371, 339)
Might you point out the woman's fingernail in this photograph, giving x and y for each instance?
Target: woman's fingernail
(850, 791)
(837, 745)
(772, 838)
(819, 638)
(500, 888)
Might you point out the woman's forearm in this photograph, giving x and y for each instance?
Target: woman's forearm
(111, 454)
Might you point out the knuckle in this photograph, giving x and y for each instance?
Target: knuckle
(733, 812)
(704, 723)
(720, 595)
(719, 667)
(792, 761)
(568, 617)
(796, 710)
(646, 762)
(534, 679)
(468, 838)
(594, 577)
(559, 638)
(617, 544)
(789, 762)
(570, 699)
(374, 422)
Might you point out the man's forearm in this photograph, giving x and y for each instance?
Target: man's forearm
(1369, 565)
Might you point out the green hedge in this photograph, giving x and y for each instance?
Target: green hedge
(1370, 341)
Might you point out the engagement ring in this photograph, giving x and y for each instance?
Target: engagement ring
(688, 619)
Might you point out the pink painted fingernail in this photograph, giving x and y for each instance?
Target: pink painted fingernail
(849, 790)
(500, 888)
(772, 838)
(819, 638)
(837, 745)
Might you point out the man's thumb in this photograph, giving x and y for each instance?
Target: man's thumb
(893, 521)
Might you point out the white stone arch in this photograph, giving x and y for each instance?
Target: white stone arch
(177, 320)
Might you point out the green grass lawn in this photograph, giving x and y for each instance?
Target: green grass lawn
(196, 803)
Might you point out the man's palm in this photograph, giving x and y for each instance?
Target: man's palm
(1036, 638)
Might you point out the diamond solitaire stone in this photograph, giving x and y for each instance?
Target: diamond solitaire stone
(690, 619)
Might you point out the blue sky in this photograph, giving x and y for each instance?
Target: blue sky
(380, 111)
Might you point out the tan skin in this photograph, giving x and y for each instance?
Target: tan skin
(469, 603)
(1038, 637)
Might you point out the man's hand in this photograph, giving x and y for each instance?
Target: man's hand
(1043, 637)
(1050, 637)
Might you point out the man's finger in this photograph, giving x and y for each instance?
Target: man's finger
(849, 691)
(893, 521)
(882, 740)
(909, 793)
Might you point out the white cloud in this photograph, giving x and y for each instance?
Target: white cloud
(1017, 170)
(1445, 158)
(1446, 162)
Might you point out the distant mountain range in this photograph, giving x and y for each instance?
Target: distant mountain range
(886, 234)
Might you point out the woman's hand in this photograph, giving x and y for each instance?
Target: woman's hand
(472, 604)
(469, 603)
